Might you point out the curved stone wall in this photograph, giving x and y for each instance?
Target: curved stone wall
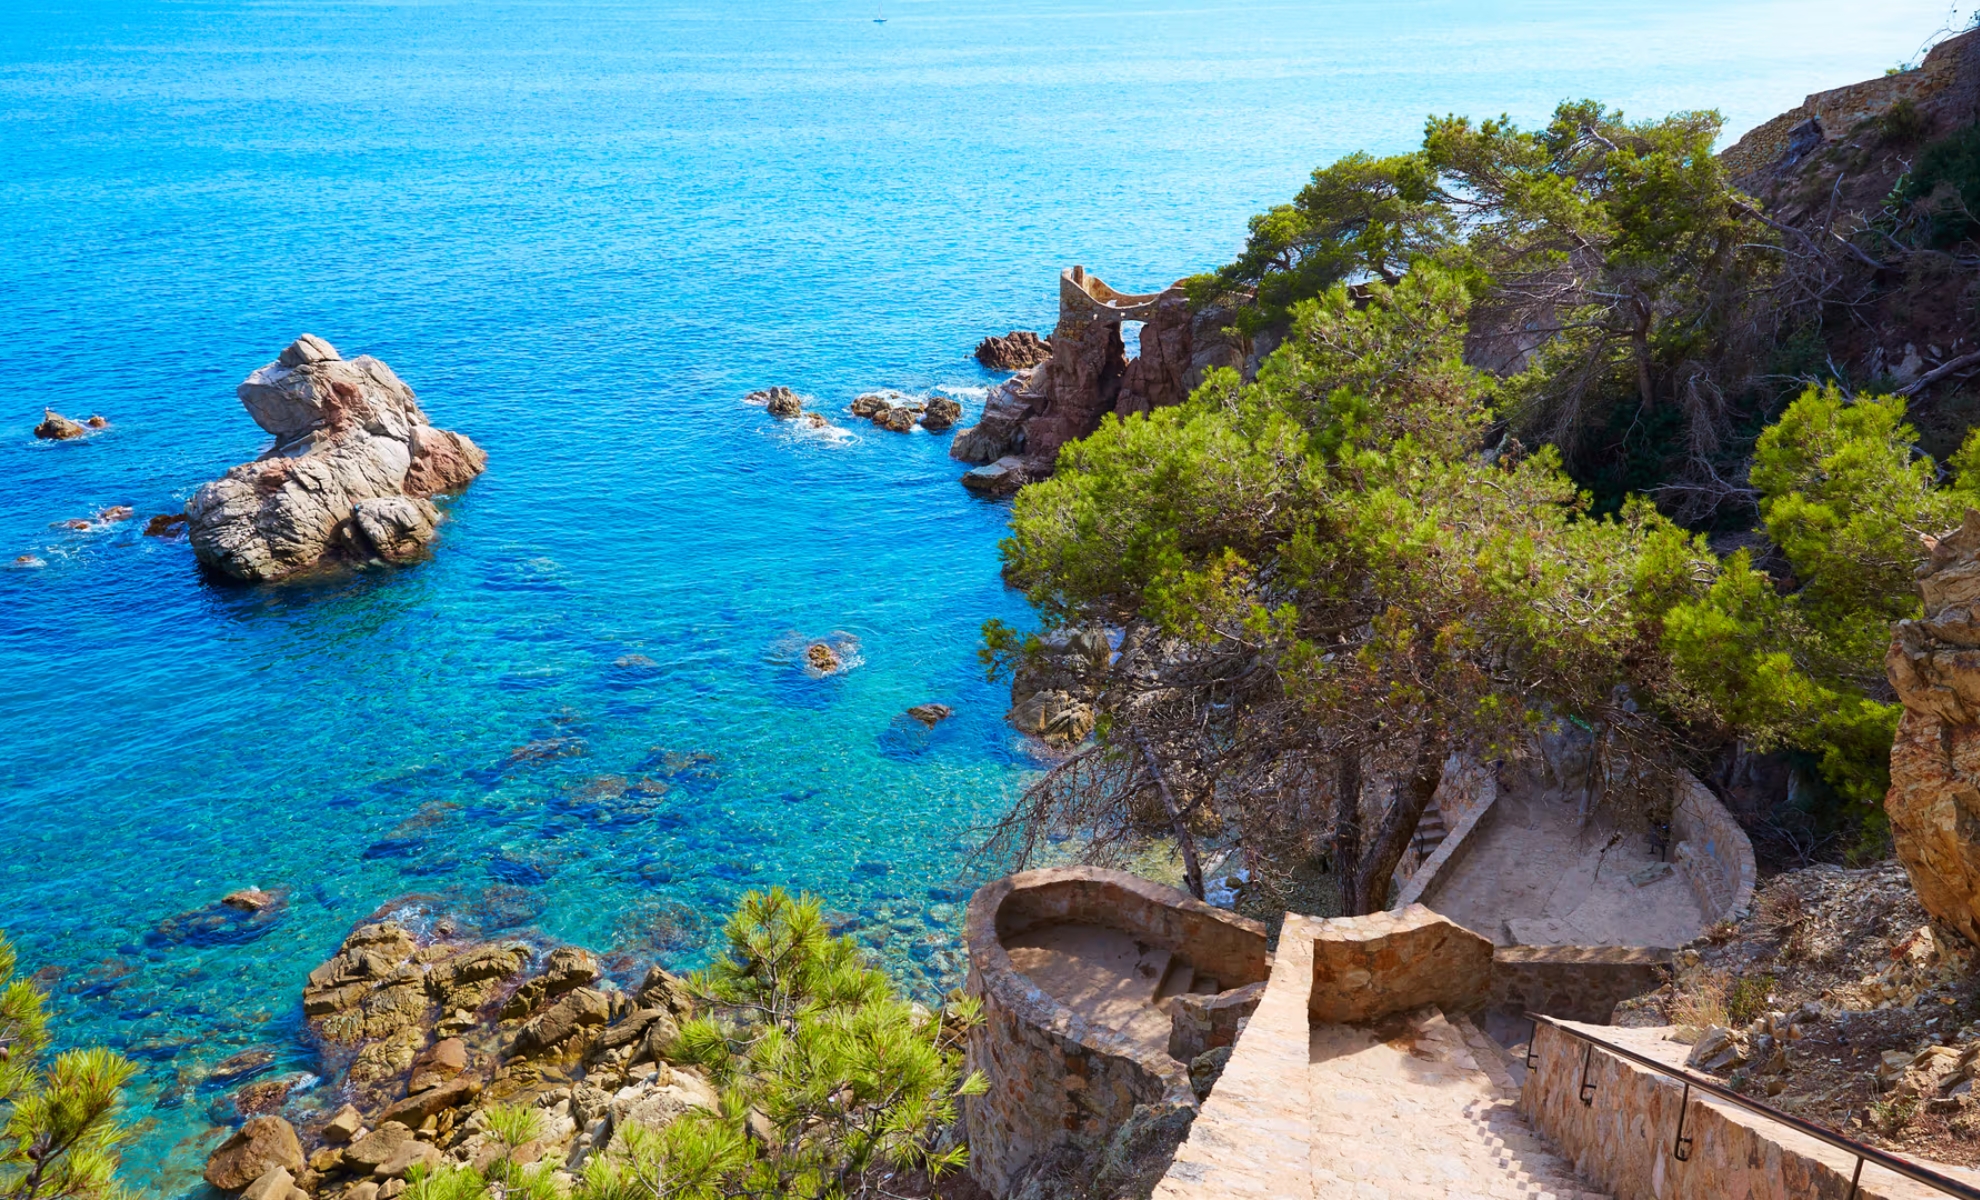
(1055, 1076)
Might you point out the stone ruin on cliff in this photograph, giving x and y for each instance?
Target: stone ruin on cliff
(1089, 374)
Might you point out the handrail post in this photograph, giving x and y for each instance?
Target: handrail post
(1532, 1044)
(1587, 1061)
(1854, 1179)
(1681, 1146)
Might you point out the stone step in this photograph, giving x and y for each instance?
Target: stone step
(1422, 1107)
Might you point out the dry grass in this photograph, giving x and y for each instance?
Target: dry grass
(1698, 1000)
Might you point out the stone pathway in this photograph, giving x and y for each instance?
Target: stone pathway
(1418, 1107)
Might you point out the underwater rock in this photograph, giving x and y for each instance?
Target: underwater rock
(113, 514)
(240, 1066)
(931, 715)
(257, 1147)
(218, 924)
(55, 427)
(1016, 350)
(347, 434)
(251, 899)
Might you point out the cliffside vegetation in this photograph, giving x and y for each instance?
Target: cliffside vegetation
(61, 1129)
(1554, 429)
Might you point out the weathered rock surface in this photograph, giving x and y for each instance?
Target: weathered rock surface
(55, 427)
(1000, 478)
(931, 715)
(780, 401)
(349, 476)
(999, 432)
(1934, 801)
(1053, 692)
(255, 1149)
(1016, 350)
(942, 413)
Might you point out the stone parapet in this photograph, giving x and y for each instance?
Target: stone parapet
(1622, 1139)
(1578, 983)
(1055, 1077)
(1253, 1136)
(1464, 806)
(1712, 852)
(1368, 967)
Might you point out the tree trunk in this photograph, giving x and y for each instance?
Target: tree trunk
(1413, 796)
(1641, 339)
(1192, 869)
(1347, 828)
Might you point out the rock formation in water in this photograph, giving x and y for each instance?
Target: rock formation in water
(1934, 801)
(1015, 351)
(350, 476)
(55, 427)
(1064, 398)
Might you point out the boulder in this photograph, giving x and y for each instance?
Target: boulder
(783, 403)
(379, 1146)
(415, 1109)
(96, 422)
(256, 1148)
(872, 404)
(564, 1028)
(408, 1156)
(437, 1064)
(343, 1125)
(1001, 478)
(1016, 350)
(822, 658)
(353, 464)
(277, 1184)
(942, 413)
(55, 427)
(1934, 799)
(895, 420)
(164, 524)
(566, 969)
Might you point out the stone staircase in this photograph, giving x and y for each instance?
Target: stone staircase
(1351, 1081)
(1421, 1106)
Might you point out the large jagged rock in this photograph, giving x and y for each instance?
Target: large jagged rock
(256, 1148)
(1016, 350)
(1934, 801)
(349, 476)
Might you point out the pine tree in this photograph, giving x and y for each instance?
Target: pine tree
(61, 1130)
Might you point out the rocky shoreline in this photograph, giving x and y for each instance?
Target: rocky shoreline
(421, 1032)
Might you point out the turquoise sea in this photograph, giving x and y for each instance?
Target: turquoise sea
(582, 231)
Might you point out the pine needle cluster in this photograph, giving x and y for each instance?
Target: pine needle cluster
(59, 1128)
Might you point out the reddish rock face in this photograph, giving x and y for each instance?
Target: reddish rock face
(1934, 801)
(1015, 351)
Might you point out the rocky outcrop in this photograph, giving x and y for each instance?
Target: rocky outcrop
(1934, 801)
(55, 427)
(424, 1031)
(1089, 375)
(350, 476)
(1015, 351)
(1054, 691)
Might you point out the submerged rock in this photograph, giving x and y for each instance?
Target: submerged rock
(931, 715)
(165, 525)
(353, 464)
(55, 427)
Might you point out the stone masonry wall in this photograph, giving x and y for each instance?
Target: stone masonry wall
(1622, 1140)
(1712, 853)
(1578, 983)
(1055, 1078)
(1367, 967)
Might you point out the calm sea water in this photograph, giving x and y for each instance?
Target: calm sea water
(582, 231)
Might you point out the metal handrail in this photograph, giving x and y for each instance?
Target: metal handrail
(1680, 1145)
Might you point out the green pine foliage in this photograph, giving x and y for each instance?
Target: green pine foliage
(61, 1129)
(828, 1080)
